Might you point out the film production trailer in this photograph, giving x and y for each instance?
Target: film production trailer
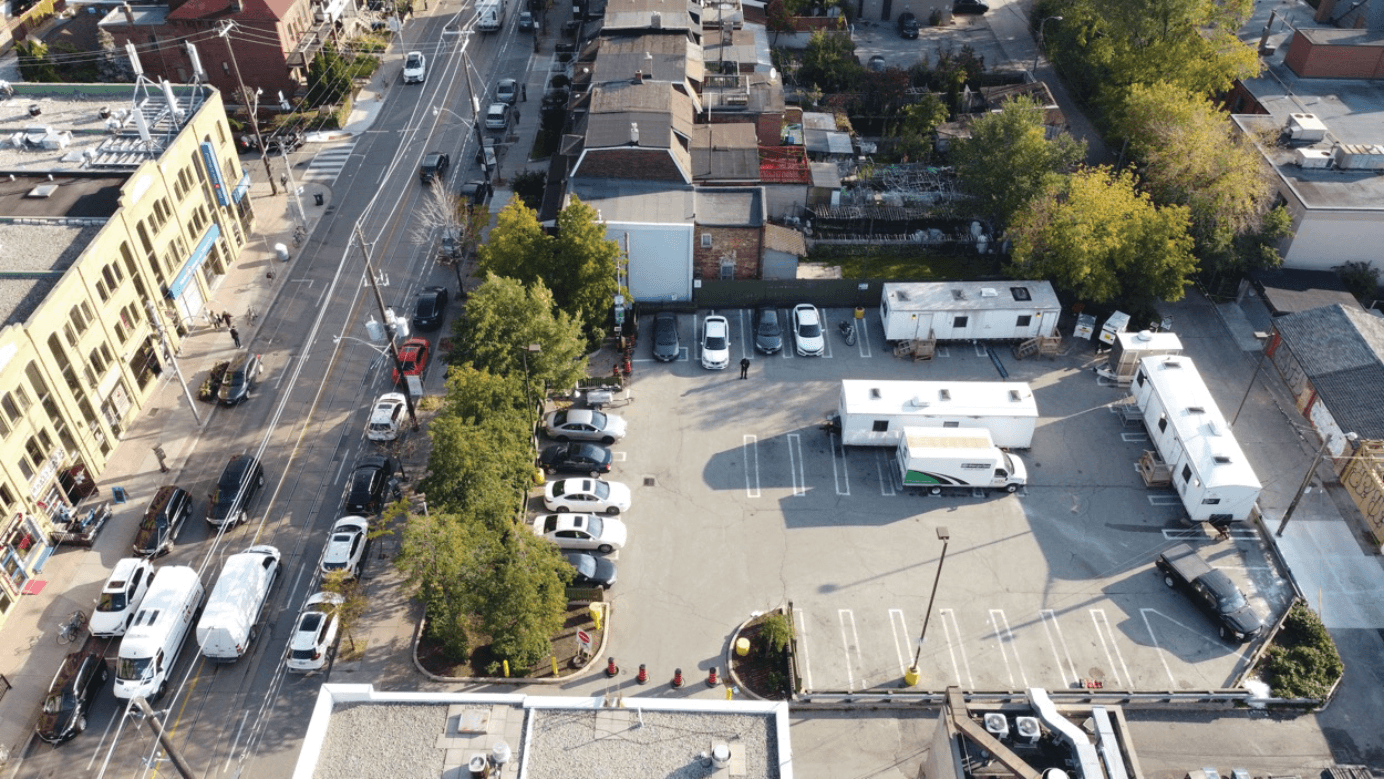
(152, 642)
(936, 458)
(229, 622)
(874, 413)
(1206, 465)
(969, 310)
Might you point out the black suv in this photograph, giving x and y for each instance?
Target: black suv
(430, 308)
(239, 484)
(368, 482)
(163, 521)
(590, 459)
(434, 167)
(908, 25)
(241, 375)
(1212, 591)
(69, 697)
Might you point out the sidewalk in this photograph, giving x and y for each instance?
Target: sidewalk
(72, 578)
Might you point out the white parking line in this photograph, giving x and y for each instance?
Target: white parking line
(826, 333)
(1051, 626)
(954, 646)
(862, 334)
(1005, 638)
(1144, 614)
(1134, 438)
(839, 472)
(943, 351)
(1108, 642)
(746, 344)
(750, 443)
(795, 464)
(617, 456)
(806, 666)
(898, 626)
(1164, 500)
(883, 461)
(850, 644)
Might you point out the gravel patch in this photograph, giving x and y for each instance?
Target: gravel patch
(669, 745)
(383, 741)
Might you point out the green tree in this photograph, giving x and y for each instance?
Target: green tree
(523, 599)
(1190, 155)
(329, 77)
(1008, 160)
(353, 602)
(440, 556)
(917, 125)
(829, 62)
(778, 19)
(503, 318)
(584, 267)
(34, 61)
(517, 247)
(1098, 236)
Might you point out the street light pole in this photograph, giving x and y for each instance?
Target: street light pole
(389, 334)
(530, 349)
(910, 677)
(1307, 479)
(1039, 53)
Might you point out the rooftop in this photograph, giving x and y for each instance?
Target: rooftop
(628, 200)
(36, 257)
(1342, 352)
(730, 206)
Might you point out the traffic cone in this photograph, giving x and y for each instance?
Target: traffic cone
(711, 677)
(611, 668)
(643, 677)
(677, 678)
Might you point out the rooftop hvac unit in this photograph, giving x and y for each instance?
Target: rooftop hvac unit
(1312, 158)
(1359, 156)
(1305, 127)
(1027, 729)
(997, 725)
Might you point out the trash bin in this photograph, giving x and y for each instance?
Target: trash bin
(317, 198)
(281, 252)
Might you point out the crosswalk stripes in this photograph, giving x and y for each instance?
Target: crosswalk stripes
(328, 163)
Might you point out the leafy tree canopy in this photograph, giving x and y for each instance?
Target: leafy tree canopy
(523, 599)
(1095, 234)
(583, 277)
(503, 318)
(829, 62)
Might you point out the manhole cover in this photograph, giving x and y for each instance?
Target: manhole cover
(649, 481)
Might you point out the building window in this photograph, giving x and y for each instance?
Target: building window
(880, 426)
(728, 270)
(706, 240)
(961, 322)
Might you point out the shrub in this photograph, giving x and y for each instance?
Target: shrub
(1303, 661)
(777, 631)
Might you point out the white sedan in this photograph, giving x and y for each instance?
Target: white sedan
(807, 331)
(346, 548)
(575, 424)
(582, 531)
(315, 632)
(716, 343)
(415, 68)
(386, 417)
(124, 590)
(586, 495)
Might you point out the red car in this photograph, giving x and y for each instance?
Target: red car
(413, 356)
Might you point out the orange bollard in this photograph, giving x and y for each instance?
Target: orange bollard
(643, 677)
(611, 668)
(677, 678)
(711, 680)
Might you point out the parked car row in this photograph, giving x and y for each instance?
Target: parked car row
(805, 319)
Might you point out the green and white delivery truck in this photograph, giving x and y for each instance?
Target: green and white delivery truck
(937, 458)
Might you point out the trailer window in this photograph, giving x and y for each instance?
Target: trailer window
(1210, 501)
(951, 424)
(1187, 473)
(1023, 321)
(880, 426)
(1162, 423)
(1139, 378)
(960, 322)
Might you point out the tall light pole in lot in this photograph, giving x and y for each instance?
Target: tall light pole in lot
(910, 676)
(1307, 479)
(1039, 53)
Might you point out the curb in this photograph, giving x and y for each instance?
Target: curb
(587, 670)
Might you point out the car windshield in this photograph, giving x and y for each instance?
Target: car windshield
(134, 670)
(305, 654)
(59, 702)
(594, 526)
(667, 332)
(768, 325)
(410, 362)
(598, 420)
(601, 490)
(235, 378)
(112, 601)
(585, 565)
(311, 622)
(1232, 601)
(715, 343)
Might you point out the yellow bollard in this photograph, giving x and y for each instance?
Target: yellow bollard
(554, 658)
(910, 677)
(596, 609)
(742, 647)
(730, 692)
(506, 666)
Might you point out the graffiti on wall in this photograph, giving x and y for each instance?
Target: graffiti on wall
(1363, 479)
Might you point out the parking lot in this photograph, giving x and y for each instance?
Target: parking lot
(742, 502)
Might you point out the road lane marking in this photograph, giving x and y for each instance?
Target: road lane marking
(898, 627)
(801, 618)
(955, 646)
(795, 464)
(886, 474)
(1108, 642)
(1144, 615)
(1049, 618)
(751, 477)
(230, 753)
(847, 645)
(1005, 637)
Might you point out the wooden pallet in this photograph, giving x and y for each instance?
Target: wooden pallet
(1043, 346)
(1156, 473)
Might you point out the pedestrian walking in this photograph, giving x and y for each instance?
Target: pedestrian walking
(226, 318)
(235, 336)
(523, 93)
(215, 320)
(744, 367)
(517, 117)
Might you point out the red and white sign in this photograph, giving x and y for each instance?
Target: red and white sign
(584, 638)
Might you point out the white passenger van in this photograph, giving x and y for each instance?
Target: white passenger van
(230, 621)
(152, 642)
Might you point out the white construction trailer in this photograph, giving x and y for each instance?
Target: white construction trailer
(1130, 348)
(874, 413)
(969, 310)
(1208, 468)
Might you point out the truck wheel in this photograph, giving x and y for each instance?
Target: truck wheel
(1168, 580)
(935, 491)
(1225, 634)
(1012, 488)
(81, 721)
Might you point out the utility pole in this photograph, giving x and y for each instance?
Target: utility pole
(384, 318)
(157, 322)
(474, 99)
(174, 755)
(254, 120)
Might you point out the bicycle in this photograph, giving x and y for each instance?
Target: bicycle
(69, 630)
(299, 235)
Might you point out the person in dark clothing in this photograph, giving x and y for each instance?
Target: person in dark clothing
(235, 336)
(744, 367)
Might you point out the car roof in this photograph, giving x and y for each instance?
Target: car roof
(237, 467)
(351, 520)
(125, 567)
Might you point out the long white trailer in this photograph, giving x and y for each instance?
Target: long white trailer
(969, 310)
(1209, 470)
(874, 413)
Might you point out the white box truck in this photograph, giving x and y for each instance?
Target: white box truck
(230, 621)
(161, 626)
(874, 413)
(937, 458)
(490, 15)
(969, 310)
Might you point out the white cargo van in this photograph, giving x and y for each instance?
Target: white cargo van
(152, 642)
(230, 621)
(936, 458)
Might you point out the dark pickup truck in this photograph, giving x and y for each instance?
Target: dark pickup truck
(1212, 591)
